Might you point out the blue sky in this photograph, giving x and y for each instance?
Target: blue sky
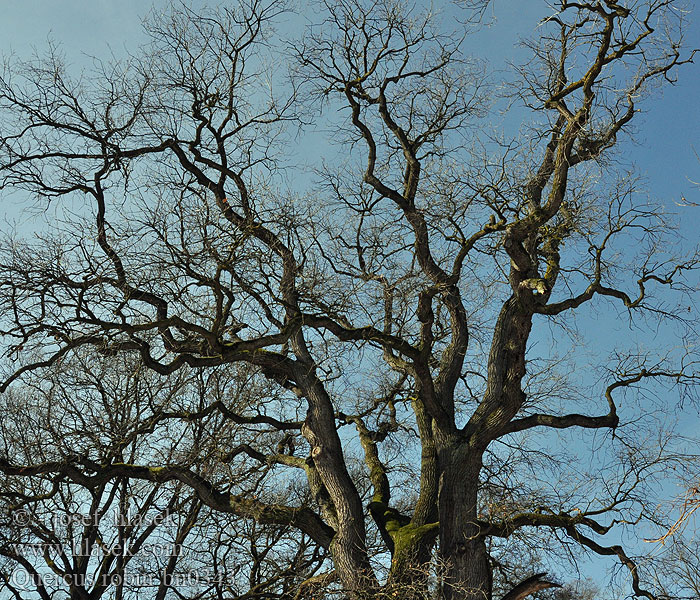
(669, 133)
(667, 138)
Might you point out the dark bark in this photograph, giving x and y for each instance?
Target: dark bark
(344, 511)
(529, 586)
(464, 558)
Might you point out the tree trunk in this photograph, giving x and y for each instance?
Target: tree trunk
(411, 562)
(342, 508)
(466, 569)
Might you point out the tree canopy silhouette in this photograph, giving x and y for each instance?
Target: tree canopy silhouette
(330, 377)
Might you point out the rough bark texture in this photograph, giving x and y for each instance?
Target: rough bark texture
(467, 572)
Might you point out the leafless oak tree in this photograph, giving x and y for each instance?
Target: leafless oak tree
(349, 350)
(101, 537)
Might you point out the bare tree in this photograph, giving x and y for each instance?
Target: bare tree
(364, 336)
(98, 536)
